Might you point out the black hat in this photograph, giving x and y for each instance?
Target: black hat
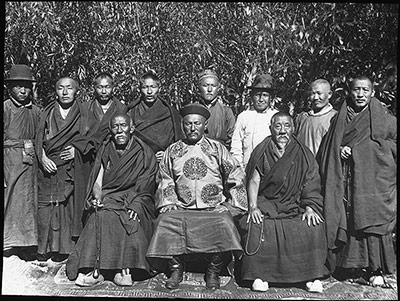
(195, 108)
(263, 82)
(20, 72)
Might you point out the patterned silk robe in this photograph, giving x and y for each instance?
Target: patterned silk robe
(200, 176)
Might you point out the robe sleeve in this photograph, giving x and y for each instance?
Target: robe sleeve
(166, 191)
(311, 192)
(233, 180)
(230, 121)
(237, 141)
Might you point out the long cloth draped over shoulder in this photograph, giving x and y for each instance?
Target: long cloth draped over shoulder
(128, 184)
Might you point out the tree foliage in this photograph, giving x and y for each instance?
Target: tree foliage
(294, 42)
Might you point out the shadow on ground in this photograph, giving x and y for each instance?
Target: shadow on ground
(21, 278)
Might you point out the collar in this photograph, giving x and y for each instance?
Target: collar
(18, 104)
(324, 110)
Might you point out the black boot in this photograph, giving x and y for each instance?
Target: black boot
(213, 271)
(176, 268)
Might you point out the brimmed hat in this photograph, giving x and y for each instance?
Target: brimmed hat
(195, 108)
(263, 82)
(20, 72)
(207, 73)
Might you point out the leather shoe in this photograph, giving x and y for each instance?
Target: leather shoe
(212, 280)
(176, 275)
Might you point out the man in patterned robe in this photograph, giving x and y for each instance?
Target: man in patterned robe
(20, 117)
(201, 189)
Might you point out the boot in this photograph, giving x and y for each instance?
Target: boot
(176, 269)
(213, 271)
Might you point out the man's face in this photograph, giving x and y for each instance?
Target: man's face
(20, 90)
(320, 95)
(66, 89)
(193, 127)
(150, 89)
(361, 93)
(261, 99)
(121, 130)
(103, 89)
(282, 129)
(209, 89)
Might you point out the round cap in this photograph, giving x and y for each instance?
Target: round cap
(195, 108)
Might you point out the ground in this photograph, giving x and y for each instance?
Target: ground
(21, 278)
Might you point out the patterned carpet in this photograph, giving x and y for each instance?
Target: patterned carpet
(22, 278)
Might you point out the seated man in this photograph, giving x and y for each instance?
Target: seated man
(121, 206)
(201, 189)
(284, 234)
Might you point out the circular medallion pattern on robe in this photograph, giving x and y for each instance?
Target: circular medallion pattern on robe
(185, 193)
(210, 194)
(195, 169)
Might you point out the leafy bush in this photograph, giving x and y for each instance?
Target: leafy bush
(294, 42)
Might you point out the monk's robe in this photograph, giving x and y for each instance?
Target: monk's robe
(197, 178)
(20, 174)
(62, 194)
(157, 125)
(360, 193)
(221, 123)
(128, 183)
(284, 249)
(102, 119)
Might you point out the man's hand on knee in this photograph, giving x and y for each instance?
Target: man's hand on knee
(312, 217)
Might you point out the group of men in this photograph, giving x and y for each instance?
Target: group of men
(123, 192)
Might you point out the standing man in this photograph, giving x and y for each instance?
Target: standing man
(104, 105)
(65, 155)
(284, 234)
(201, 189)
(252, 126)
(20, 119)
(312, 126)
(156, 122)
(358, 162)
(121, 205)
(222, 121)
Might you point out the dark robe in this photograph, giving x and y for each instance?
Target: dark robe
(128, 184)
(372, 136)
(20, 175)
(158, 126)
(221, 123)
(284, 248)
(103, 119)
(61, 195)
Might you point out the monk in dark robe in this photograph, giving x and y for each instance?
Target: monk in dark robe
(65, 155)
(20, 117)
(283, 234)
(358, 160)
(120, 200)
(156, 122)
(104, 105)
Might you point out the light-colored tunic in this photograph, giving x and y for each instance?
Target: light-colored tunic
(311, 127)
(250, 129)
